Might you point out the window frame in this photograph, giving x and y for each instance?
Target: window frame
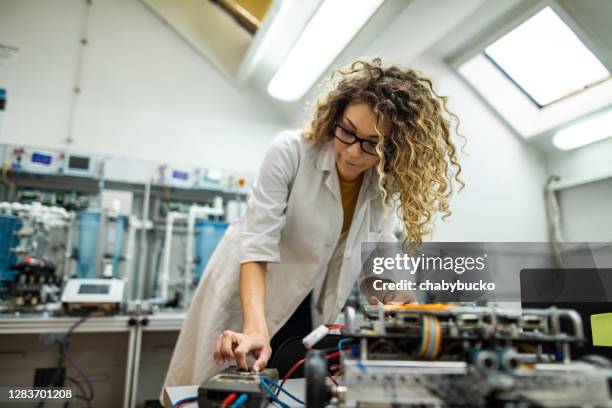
(509, 100)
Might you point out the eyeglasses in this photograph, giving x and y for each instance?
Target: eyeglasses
(347, 137)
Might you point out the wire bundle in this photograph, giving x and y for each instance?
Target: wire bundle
(300, 363)
(267, 384)
(64, 346)
(431, 337)
(184, 401)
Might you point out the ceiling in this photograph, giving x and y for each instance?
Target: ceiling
(250, 60)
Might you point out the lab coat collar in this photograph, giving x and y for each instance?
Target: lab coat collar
(327, 162)
(325, 157)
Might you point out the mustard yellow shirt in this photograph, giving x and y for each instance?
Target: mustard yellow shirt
(349, 191)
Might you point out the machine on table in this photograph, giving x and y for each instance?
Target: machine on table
(443, 355)
(93, 296)
(118, 218)
(213, 392)
(32, 243)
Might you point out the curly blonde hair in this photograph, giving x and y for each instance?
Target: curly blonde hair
(417, 156)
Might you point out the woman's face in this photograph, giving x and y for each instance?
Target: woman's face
(357, 119)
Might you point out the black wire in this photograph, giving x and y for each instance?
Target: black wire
(65, 350)
(81, 389)
(60, 362)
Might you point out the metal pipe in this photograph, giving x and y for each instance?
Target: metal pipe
(143, 241)
(164, 276)
(69, 242)
(128, 274)
(195, 212)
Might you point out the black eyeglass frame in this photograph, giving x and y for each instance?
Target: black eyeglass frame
(357, 139)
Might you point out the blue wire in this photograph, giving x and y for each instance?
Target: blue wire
(240, 401)
(277, 385)
(341, 342)
(188, 399)
(271, 393)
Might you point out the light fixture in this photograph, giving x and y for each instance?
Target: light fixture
(586, 131)
(330, 30)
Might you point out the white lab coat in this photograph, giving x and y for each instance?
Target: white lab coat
(293, 221)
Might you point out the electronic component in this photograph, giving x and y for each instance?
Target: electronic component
(451, 355)
(231, 380)
(79, 165)
(315, 336)
(93, 296)
(177, 176)
(212, 179)
(36, 160)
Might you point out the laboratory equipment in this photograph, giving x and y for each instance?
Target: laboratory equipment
(29, 276)
(79, 165)
(208, 236)
(93, 296)
(39, 161)
(442, 355)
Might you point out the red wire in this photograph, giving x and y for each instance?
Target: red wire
(299, 363)
(184, 403)
(332, 378)
(229, 399)
(334, 326)
(291, 370)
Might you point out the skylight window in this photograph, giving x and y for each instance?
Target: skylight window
(545, 59)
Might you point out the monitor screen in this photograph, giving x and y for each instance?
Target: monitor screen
(181, 175)
(78, 163)
(41, 158)
(91, 289)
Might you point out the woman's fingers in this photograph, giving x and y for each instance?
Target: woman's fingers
(218, 357)
(227, 342)
(233, 345)
(241, 353)
(262, 358)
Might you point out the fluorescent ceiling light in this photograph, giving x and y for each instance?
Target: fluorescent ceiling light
(546, 59)
(332, 27)
(587, 131)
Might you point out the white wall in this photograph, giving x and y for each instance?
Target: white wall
(585, 212)
(145, 93)
(503, 199)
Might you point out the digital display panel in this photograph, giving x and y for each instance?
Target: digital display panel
(41, 158)
(78, 163)
(89, 289)
(213, 175)
(181, 175)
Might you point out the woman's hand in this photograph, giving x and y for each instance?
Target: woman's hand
(234, 345)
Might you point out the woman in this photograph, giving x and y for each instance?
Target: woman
(378, 145)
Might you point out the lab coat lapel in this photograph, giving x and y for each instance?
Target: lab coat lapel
(368, 191)
(327, 164)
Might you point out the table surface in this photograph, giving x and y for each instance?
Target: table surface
(174, 394)
(17, 323)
